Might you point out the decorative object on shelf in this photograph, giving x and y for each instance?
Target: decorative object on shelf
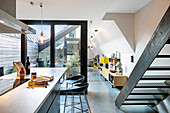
(104, 60)
(100, 64)
(119, 68)
(98, 58)
(95, 63)
(118, 55)
(41, 39)
(113, 55)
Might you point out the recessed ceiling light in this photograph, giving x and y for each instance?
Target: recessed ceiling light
(96, 32)
(1, 21)
(32, 3)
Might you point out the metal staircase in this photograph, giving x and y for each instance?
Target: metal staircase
(151, 93)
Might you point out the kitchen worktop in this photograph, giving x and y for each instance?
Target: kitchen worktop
(28, 100)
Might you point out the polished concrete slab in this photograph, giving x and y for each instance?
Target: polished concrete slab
(102, 97)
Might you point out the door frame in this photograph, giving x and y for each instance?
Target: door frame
(84, 31)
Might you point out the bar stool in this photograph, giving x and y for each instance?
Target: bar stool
(77, 89)
(74, 79)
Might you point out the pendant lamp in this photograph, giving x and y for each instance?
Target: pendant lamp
(41, 39)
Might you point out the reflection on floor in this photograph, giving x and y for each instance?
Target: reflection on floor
(102, 97)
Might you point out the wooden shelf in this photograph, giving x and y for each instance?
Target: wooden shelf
(118, 80)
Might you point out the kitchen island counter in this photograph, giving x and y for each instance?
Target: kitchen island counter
(28, 100)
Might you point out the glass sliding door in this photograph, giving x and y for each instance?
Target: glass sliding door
(68, 48)
(68, 44)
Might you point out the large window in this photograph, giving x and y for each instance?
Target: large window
(67, 44)
(43, 59)
(68, 48)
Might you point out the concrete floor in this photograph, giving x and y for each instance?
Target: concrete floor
(102, 97)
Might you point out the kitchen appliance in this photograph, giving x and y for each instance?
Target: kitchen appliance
(9, 24)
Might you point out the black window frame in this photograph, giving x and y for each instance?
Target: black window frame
(82, 23)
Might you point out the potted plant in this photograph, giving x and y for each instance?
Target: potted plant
(75, 64)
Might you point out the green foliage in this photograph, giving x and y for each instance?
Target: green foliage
(10, 71)
(68, 68)
(75, 60)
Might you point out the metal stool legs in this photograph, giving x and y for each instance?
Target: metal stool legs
(65, 103)
(87, 103)
(72, 104)
(81, 103)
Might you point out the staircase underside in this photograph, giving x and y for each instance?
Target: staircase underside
(141, 89)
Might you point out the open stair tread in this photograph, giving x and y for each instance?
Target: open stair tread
(142, 103)
(168, 42)
(159, 68)
(152, 85)
(155, 77)
(144, 97)
(163, 56)
(146, 101)
(148, 92)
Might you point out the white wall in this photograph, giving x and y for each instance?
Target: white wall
(146, 21)
(125, 22)
(90, 54)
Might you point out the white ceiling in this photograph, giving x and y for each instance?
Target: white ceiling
(127, 6)
(76, 9)
(63, 9)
